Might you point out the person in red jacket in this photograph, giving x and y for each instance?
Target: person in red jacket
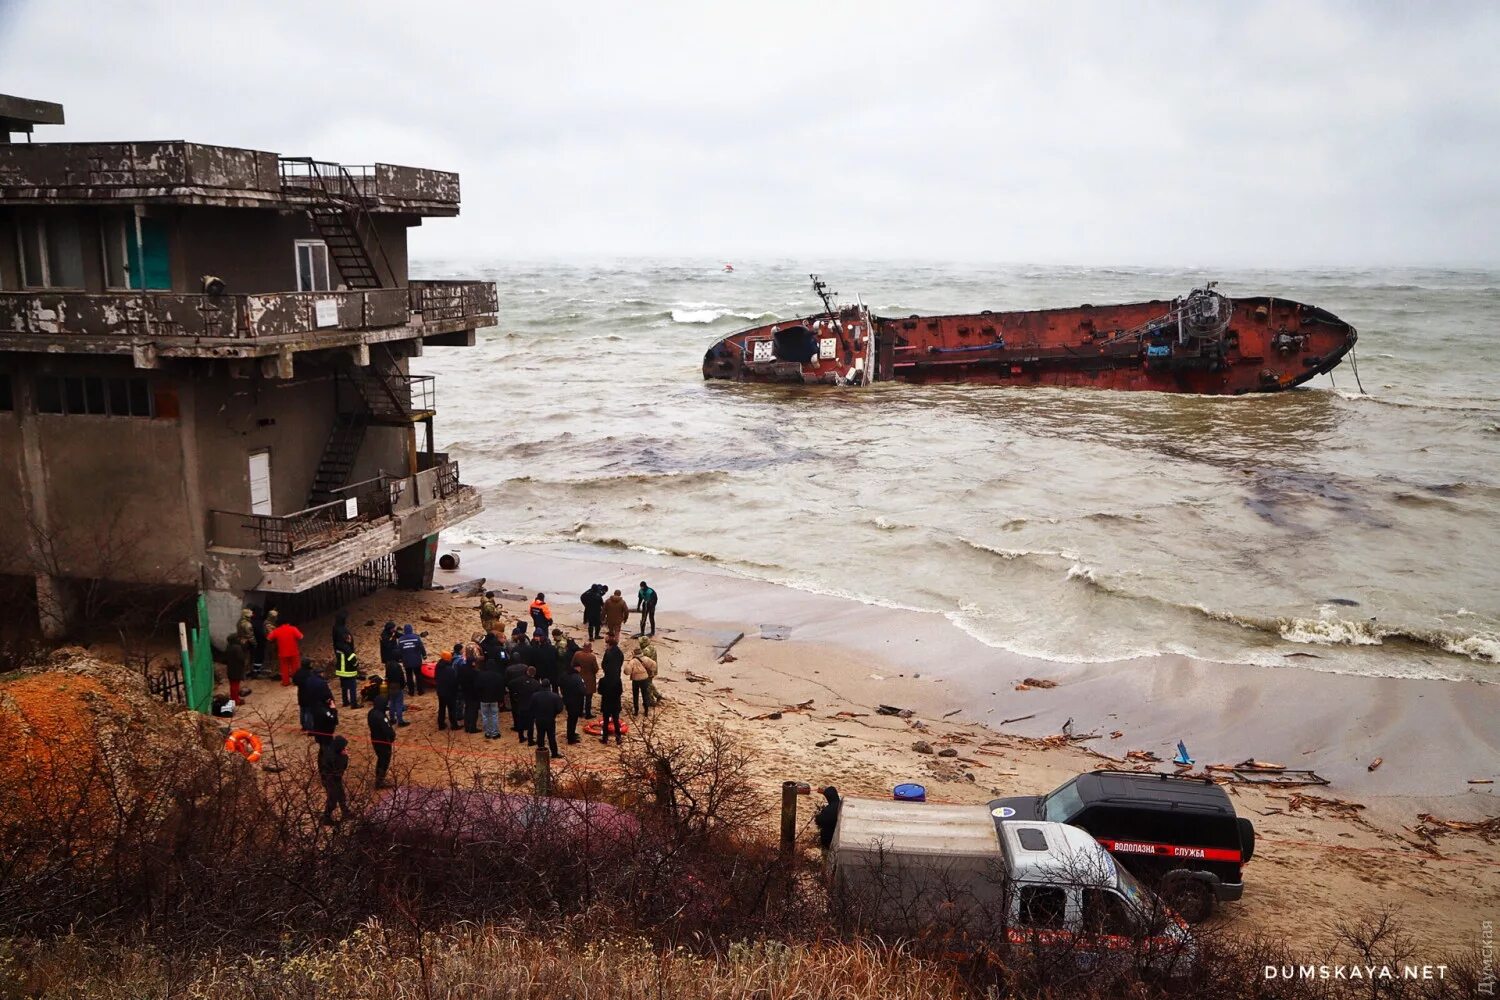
(288, 641)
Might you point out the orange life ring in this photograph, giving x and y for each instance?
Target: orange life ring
(245, 743)
(596, 728)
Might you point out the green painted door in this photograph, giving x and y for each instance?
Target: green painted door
(148, 258)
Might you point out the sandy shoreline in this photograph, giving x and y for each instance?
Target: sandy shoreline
(1433, 736)
(802, 708)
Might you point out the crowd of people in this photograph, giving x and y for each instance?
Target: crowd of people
(535, 674)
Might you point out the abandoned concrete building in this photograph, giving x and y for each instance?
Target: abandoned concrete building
(204, 373)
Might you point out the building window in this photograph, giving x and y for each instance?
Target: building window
(7, 400)
(104, 397)
(135, 251)
(51, 252)
(312, 266)
(118, 238)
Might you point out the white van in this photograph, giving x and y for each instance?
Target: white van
(925, 868)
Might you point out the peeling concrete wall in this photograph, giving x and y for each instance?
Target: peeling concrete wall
(114, 487)
(238, 416)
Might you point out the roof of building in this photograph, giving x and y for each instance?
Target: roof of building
(178, 172)
(19, 114)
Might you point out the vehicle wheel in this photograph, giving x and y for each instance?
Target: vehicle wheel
(1247, 839)
(1192, 898)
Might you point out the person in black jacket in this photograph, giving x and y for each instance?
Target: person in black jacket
(514, 670)
(611, 691)
(544, 659)
(827, 819)
(573, 695)
(382, 738)
(521, 690)
(445, 679)
(388, 649)
(544, 706)
(489, 688)
(395, 689)
(333, 761)
(593, 609)
(413, 652)
(468, 676)
(325, 720)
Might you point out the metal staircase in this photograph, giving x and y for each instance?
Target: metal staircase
(334, 198)
(339, 455)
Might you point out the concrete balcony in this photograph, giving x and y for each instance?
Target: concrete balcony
(290, 553)
(173, 324)
(190, 173)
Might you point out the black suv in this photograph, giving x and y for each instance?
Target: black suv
(1177, 832)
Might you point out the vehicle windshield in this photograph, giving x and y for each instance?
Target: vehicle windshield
(1062, 805)
(1149, 908)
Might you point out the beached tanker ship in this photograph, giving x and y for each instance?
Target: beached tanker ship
(1204, 342)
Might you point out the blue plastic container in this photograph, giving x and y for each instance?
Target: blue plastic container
(910, 792)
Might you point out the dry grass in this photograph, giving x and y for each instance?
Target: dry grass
(479, 963)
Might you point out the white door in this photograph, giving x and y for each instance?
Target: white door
(260, 482)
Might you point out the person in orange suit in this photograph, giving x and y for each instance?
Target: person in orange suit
(288, 640)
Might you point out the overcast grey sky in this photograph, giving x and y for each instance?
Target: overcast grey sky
(1276, 134)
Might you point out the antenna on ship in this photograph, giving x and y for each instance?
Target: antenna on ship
(820, 288)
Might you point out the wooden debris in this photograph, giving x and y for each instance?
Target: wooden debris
(1488, 830)
(1481, 781)
(1247, 765)
(1019, 718)
(1145, 756)
(1317, 803)
(1039, 682)
(825, 743)
(849, 715)
(903, 713)
(1116, 734)
(698, 678)
(1375, 763)
(949, 715)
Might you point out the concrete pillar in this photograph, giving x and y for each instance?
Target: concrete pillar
(415, 563)
(224, 608)
(55, 607)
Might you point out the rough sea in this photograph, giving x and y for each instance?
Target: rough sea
(1326, 528)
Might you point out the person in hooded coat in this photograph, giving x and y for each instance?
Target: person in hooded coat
(345, 663)
(541, 616)
(395, 689)
(333, 761)
(827, 818)
(611, 692)
(588, 668)
(616, 612)
(382, 738)
(390, 652)
(593, 609)
(445, 679)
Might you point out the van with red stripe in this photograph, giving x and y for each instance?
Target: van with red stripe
(1175, 832)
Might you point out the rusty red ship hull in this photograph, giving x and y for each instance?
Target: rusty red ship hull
(1202, 343)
